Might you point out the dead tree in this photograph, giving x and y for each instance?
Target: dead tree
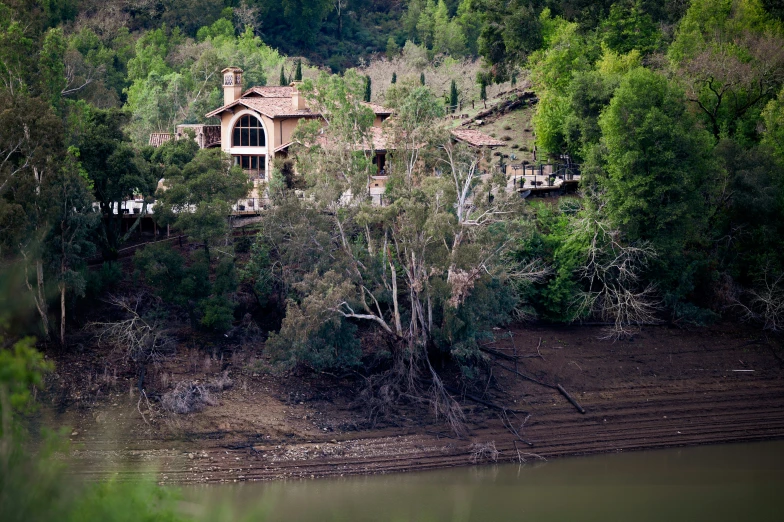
(612, 273)
(140, 339)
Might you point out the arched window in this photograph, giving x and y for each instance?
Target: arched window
(248, 132)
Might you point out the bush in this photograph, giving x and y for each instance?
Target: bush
(330, 344)
(187, 397)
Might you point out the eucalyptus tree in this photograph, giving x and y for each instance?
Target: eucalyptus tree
(428, 271)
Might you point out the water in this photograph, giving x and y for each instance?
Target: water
(742, 482)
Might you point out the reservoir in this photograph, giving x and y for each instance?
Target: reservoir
(742, 482)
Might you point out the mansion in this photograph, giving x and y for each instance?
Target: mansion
(256, 127)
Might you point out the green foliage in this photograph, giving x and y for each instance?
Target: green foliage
(164, 270)
(453, 101)
(258, 271)
(319, 344)
(773, 116)
(198, 197)
(628, 27)
(367, 93)
(33, 486)
(209, 303)
(655, 162)
(298, 72)
(21, 368)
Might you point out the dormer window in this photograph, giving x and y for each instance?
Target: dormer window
(248, 132)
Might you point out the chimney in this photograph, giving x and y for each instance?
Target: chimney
(298, 102)
(232, 84)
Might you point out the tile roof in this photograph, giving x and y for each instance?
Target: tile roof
(476, 138)
(270, 107)
(159, 138)
(377, 135)
(377, 109)
(275, 102)
(283, 91)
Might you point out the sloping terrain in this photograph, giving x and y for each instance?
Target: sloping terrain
(666, 387)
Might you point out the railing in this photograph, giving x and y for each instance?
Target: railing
(248, 206)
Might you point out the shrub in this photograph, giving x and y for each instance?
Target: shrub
(187, 397)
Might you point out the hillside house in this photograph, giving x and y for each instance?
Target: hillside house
(256, 127)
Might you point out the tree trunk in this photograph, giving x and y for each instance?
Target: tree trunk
(398, 325)
(40, 298)
(62, 314)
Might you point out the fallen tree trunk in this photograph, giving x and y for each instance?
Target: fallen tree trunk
(546, 385)
(480, 401)
(571, 399)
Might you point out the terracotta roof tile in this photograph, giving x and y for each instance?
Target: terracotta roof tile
(476, 138)
(377, 109)
(265, 91)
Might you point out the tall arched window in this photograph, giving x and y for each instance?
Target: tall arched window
(248, 132)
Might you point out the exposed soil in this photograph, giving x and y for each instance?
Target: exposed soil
(666, 387)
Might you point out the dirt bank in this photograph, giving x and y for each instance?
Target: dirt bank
(666, 387)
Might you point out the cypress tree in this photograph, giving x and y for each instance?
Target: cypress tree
(367, 88)
(453, 97)
(482, 90)
(298, 73)
(514, 79)
(422, 78)
(394, 77)
(282, 76)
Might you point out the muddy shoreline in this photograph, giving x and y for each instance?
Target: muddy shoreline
(666, 387)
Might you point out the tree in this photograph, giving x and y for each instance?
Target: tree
(282, 80)
(73, 221)
(730, 58)
(298, 72)
(629, 27)
(453, 101)
(366, 95)
(198, 198)
(117, 172)
(773, 116)
(428, 269)
(394, 78)
(422, 78)
(654, 162)
(31, 145)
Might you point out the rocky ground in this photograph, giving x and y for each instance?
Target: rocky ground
(665, 387)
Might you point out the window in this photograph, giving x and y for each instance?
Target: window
(248, 132)
(253, 165)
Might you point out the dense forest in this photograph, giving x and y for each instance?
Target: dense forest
(674, 111)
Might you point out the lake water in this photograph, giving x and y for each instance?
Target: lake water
(743, 482)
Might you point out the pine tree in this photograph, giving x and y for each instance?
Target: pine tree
(298, 73)
(394, 78)
(422, 78)
(367, 88)
(282, 76)
(453, 97)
